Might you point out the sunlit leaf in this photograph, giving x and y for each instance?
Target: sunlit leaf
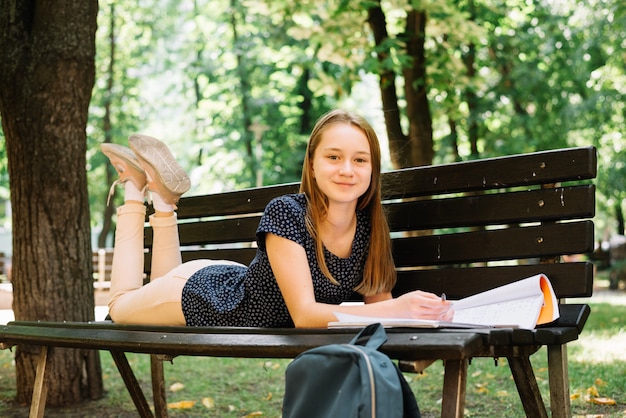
(268, 397)
(592, 391)
(181, 405)
(271, 365)
(208, 402)
(175, 387)
(603, 401)
(481, 388)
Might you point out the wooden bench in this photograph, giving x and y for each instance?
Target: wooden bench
(5, 266)
(458, 228)
(102, 261)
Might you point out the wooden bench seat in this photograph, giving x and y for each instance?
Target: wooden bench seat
(458, 229)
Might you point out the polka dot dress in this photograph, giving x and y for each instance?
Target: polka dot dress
(231, 295)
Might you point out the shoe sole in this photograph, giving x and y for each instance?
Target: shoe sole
(121, 153)
(169, 177)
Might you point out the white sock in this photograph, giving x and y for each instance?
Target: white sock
(131, 192)
(160, 205)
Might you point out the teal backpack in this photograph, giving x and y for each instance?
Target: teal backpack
(348, 380)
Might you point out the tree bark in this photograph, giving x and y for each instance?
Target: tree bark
(107, 129)
(416, 90)
(416, 147)
(469, 58)
(387, 84)
(46, 77)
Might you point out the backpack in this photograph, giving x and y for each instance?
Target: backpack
(348, 380)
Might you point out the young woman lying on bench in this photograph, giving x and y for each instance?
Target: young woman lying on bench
(315, 248)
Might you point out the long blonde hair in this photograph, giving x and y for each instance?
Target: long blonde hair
(379, 274)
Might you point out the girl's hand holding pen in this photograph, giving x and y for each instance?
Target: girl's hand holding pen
(425, 305)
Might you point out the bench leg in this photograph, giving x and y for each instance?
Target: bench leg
(158, 386)
(40, 391)
(527, 387)
(454, 383)
(131, 384)
(559, 381)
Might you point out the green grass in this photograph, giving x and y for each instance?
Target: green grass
(224, 387)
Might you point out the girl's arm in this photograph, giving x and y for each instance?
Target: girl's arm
(291, 269)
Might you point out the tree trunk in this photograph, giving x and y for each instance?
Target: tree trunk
(244, 92)
(107, 129)
(416, 91)
(469, 58)
(387, 84)
(619, 217)
(46, 78)
(416, 148)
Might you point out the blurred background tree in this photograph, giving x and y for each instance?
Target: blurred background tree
(235, 86)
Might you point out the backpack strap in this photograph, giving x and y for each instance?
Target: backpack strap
(372, 336)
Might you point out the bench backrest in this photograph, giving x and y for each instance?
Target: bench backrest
(457, 228)
(102, 262)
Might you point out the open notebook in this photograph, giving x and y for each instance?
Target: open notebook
(523, 304)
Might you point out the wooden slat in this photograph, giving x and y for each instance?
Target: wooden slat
(502, 244)
(500, 172)
(570, 280)
(218, 232)
(492, 209)
(233, 202)
(240, 342)
(493, 173)
(240, 255)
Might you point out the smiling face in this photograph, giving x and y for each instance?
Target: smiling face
(342, 163)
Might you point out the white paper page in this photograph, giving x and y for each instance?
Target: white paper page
(351, 321)
(521, 289)
(522, 313)
(358, 319)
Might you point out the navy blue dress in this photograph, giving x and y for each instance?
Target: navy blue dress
(227, 295)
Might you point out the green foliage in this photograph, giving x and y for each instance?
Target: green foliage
(200, 75)
(120, 53)
(503, 78)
